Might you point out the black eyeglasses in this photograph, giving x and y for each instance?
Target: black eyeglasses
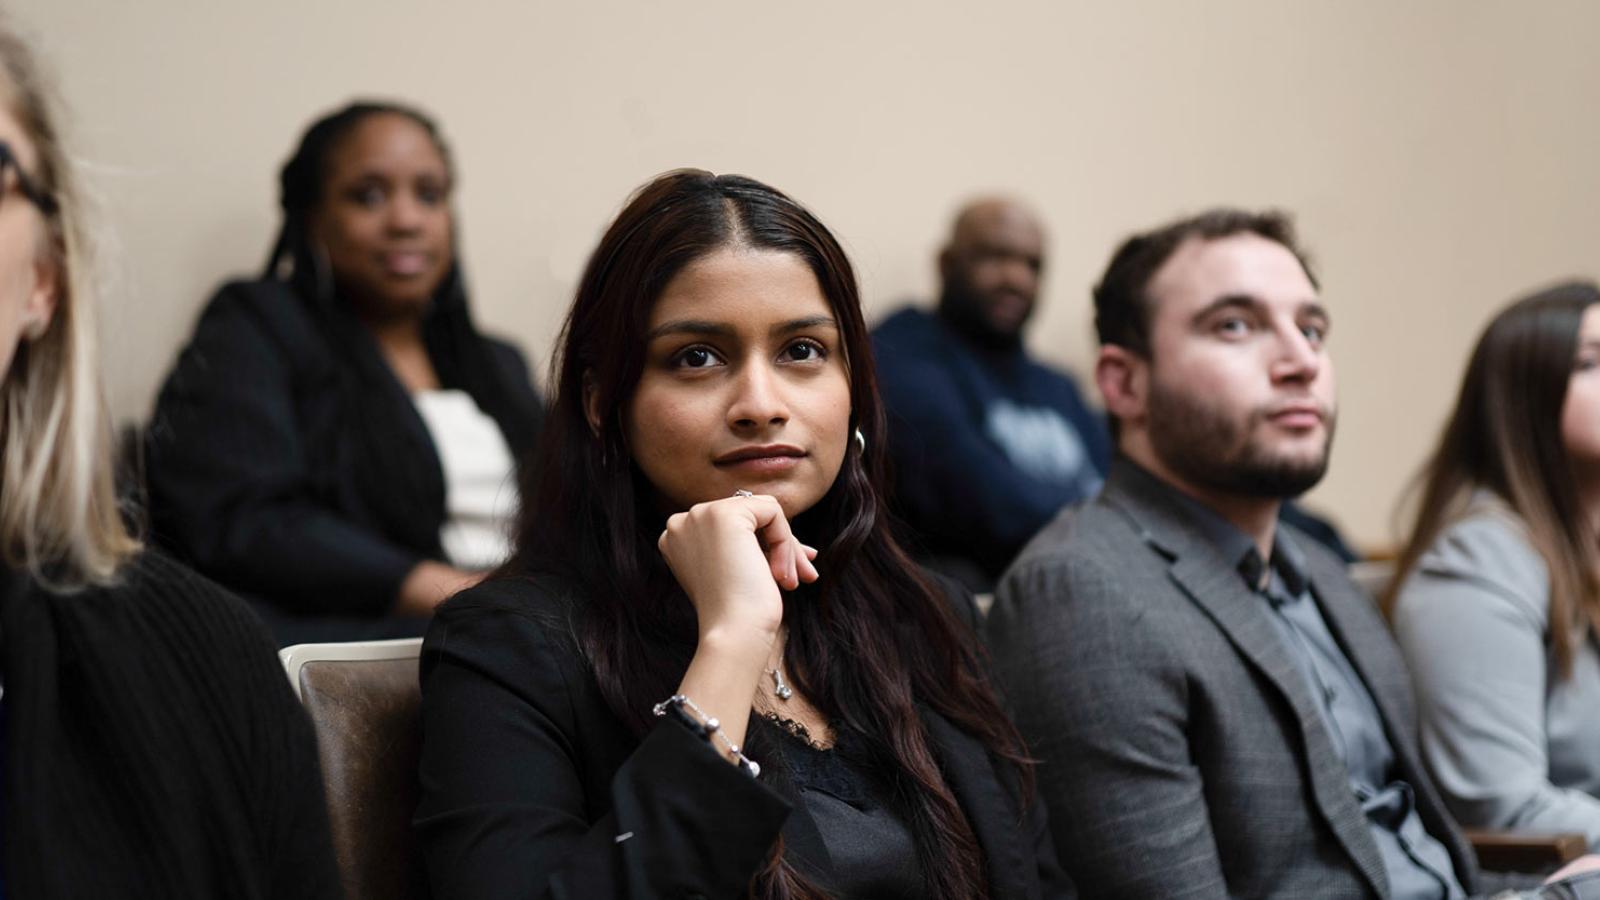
(27, 185)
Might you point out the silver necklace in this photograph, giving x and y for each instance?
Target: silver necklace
(779, 687)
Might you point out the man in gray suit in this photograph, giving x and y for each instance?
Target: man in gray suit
(1217, 709)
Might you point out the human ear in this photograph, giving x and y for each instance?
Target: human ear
(40, 306)
(591, 402)
(947, 264)
(1123, 378)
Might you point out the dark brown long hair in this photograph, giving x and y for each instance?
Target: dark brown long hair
(868, 644)
(1505, 436)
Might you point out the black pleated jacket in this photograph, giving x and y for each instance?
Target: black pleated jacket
(153, 747)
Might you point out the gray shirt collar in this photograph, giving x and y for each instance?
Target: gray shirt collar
(1287, 559)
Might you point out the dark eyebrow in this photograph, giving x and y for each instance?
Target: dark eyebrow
(379, 174)
(794, 325)
(1239, 301)
(717, 329)
(1315, 309)
(1250, 303)
(688, 326)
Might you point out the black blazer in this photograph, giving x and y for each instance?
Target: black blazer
(286, 461)
(532, 788)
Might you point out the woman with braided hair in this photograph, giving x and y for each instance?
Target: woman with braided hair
(337, 439)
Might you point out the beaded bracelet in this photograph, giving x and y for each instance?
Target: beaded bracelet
(705, 727)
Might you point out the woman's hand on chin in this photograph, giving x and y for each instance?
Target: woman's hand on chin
(732, 556)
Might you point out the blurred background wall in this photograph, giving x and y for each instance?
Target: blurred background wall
(1441, 155)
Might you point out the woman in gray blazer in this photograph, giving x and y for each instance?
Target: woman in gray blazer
(1497, 595)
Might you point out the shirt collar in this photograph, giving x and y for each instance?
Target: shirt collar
(1287, 559)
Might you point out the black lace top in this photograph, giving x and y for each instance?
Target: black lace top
(872, 853)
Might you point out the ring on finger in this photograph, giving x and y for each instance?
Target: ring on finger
(742, 493)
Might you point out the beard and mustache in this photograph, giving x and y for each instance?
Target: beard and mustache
(969, 310)
(1208, 446)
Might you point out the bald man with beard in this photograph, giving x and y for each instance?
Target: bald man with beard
(987, 443)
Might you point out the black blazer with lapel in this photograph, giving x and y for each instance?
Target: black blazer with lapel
(532, 788)
(1181, 752)
(288, 462)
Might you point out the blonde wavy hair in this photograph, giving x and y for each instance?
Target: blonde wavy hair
(59, 516)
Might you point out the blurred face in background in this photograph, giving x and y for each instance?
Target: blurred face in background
(1580, 412)
(28, 272)
(991, 270)
(384, 219)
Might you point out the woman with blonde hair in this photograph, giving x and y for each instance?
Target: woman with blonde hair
(1497, 598)
(149, 743)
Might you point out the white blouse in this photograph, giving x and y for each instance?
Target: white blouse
(480, 490)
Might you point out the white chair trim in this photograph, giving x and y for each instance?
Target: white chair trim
(295, 658)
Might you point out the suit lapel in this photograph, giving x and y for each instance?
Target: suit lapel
(1349, 615)
(1212, 582)
(991, 808)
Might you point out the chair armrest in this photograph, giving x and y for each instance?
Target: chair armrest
(1515, 851)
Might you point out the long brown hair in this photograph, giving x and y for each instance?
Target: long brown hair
(869, 644)
(1505, 436)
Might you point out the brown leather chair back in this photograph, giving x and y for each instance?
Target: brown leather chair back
(365, 704)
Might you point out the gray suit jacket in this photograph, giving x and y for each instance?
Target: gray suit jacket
(1181, 752)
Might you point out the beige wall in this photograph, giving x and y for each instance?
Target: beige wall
(1441, 154)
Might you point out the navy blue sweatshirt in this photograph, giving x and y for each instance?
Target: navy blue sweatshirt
(987, 445)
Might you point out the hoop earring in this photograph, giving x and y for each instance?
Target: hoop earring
(861, 441)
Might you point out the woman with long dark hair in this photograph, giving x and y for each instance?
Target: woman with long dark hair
(337, 439)
(1497, 599)
(709, 670)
